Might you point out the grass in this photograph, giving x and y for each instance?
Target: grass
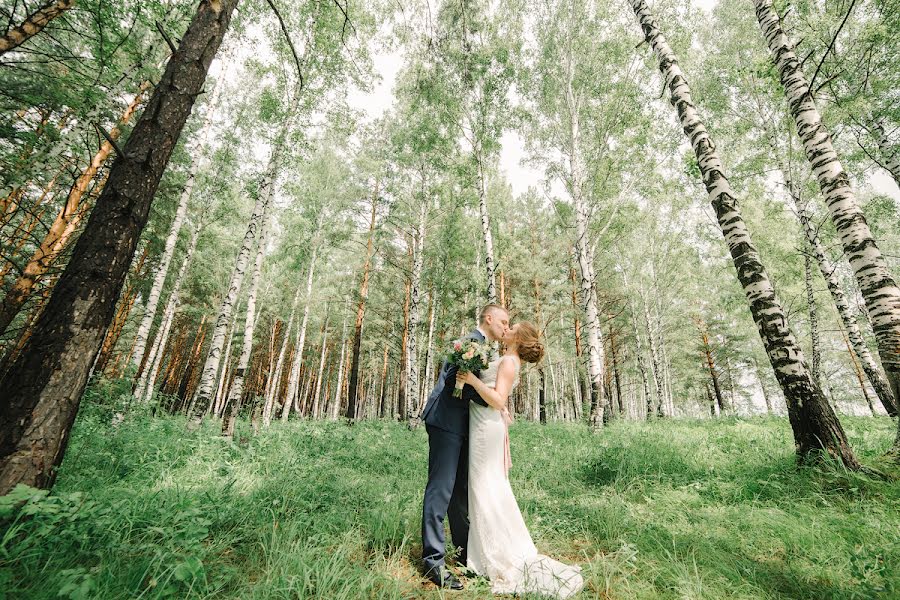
(673, 509)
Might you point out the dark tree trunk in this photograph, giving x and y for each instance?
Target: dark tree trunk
(39, 398)
(542, 397)
(353, 385)
(712, 402)
(401, 385)
(184, 383)
(711, 367)
(615, 368)
(382, 398)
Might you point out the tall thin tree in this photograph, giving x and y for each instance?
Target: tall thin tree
(879, 290)
(813, 421)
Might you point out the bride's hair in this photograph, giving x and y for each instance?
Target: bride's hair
(529, 343)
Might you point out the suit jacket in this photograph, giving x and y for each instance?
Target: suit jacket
(443, 410)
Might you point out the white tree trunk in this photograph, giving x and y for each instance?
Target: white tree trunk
(813, 312)
(814, 424)
(875, 280)
(143, 331)
(412, 358)
(860, 348)
(336, 406)
(300, 343)
(429, 356)
(218, 400)
(211, 367)
(489, 261)
(584, 254)
(275, 377)
(829, 274)
(639, 349)
(236, 390)
(147, 380)
(144, 391)
(315, 407)
(656, 369)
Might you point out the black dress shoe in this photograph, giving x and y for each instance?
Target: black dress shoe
(443, 578)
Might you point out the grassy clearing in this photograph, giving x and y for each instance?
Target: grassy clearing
(675, 509)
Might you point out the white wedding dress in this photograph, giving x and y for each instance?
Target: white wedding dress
(499, 546)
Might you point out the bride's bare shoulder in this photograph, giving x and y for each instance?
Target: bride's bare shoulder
(509, 366)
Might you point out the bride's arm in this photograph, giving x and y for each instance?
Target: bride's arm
(498, 395)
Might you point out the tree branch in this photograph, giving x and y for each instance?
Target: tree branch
(831, 45)
(347, 20)
(165, 36)
(290, 43)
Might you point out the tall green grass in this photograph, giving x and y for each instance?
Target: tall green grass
(673, 509)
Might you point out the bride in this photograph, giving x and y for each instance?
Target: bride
(499, 545)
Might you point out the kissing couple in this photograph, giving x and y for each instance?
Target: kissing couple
(468, 460)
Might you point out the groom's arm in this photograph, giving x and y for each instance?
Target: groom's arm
(470, 395)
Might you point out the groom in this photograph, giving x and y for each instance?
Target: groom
(447, 422)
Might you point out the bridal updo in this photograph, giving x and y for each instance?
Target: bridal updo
(529, 343)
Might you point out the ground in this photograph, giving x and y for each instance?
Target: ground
(670, 509)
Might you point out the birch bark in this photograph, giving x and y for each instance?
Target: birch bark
(412, 360)
(300, 343)
(584, 255)
(829, 273)
(489, 262)
(211, 367)
(147, 380)
(812, 309)
(236, 391)
(814, 424)
(315, 404)
(429, 356)
(336, 407)
(880, 291)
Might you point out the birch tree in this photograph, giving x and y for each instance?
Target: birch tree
(147, 380)
(880, 291)
(578, 43)
(814, 424)
(473, 55)
(235, 392)
(211, 366)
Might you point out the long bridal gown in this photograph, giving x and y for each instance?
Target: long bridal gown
(499, 546)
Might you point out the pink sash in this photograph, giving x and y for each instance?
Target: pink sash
(507, 457)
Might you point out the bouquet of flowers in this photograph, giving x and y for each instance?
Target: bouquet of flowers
(468, 355)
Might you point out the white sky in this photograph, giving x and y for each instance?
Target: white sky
(519, 176)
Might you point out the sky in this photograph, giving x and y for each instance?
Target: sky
(520, 177)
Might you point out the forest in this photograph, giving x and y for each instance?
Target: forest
(238, 238)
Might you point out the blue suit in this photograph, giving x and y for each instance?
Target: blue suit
(447, 492)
